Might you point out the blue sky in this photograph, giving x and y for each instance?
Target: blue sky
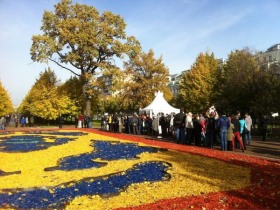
(177, 30)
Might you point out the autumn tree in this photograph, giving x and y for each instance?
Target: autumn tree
(198, 84)
(239, 70)
(249, 84)
(72, 87)
(6, 105)
(79, 39)
(272, 95)
(145, 76)
(45, 100)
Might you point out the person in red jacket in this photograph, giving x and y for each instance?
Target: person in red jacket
(236, 131)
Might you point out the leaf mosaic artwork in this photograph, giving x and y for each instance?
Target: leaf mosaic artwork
(90, 169)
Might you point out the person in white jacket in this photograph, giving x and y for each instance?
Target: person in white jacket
(189, 128)
(248, 121)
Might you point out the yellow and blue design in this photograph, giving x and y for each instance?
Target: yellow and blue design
(79, 170)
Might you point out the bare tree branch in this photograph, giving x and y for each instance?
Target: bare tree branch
(64, 67)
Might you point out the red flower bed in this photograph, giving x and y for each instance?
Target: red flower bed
(263, 192)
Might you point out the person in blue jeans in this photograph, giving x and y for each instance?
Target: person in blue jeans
(223, 126)
(179, 120)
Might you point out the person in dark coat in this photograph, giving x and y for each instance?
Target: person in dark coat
(60, 121)
(197, 129)
(162, 123)
(264, 125)
(223, 125)
(179, 126)
(210, 130)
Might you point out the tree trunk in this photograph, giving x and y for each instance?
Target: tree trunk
(88, 106)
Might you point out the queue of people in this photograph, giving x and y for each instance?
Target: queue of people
(16, 121)
(206, 129)
(159, 125)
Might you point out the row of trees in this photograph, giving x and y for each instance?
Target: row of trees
(80, 40)
(243, 83)
(134, 87)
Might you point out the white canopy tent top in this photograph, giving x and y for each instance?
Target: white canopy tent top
(159, 105)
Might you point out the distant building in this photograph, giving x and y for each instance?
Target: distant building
(221, 63)
(174, 83)
(175, 79)
(272, 55)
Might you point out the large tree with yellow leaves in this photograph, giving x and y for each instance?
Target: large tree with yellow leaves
(6, 105)
(79, 39)
(146, 75)
(46, 100)
(198, 85)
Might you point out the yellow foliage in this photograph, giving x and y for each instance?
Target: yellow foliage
(6, 105)
(45, 100)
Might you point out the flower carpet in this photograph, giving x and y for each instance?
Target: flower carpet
(91, 169)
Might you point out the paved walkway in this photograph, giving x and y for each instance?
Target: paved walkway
(266, 149)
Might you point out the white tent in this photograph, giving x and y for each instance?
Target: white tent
(275, 114)
(159, 104)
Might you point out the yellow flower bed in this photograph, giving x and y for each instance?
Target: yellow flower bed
(190, 174)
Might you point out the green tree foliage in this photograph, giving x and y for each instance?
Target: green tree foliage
(6, 105)
(274, 89)
(240, 73)
(198, 84)
(248, 84)
(145, 76)
(77, 38)
(45, 100)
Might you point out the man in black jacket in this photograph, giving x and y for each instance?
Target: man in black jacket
(179, 126)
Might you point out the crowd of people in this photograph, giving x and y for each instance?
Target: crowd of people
(208, 129)
(16, 121)
(82, 121)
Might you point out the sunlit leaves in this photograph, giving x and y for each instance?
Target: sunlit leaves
(6, 105)
(77, 35)
(73, 89)
(79, 39)
(147, 75)
(45, 100)
(197, 84)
